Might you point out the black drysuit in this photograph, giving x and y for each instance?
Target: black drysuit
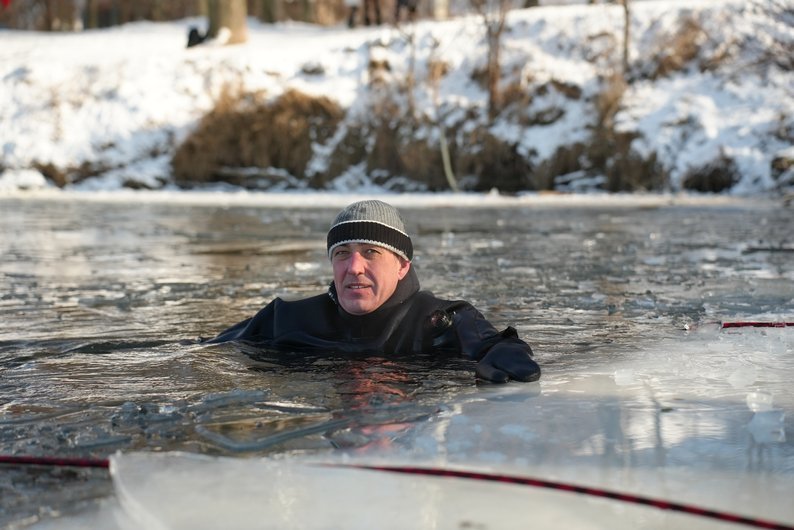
(411, 321)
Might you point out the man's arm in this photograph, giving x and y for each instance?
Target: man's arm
(510, 358)
(258, 327)
(500, 356)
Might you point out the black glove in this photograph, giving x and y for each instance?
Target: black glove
(508, 361)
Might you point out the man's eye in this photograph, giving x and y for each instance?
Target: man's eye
(372, 251)
(340, 254)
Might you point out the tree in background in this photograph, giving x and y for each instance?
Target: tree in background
(43, 15)
(269, 11)
(229, 14)
(494, 16)
(75, 15)
(626, 36)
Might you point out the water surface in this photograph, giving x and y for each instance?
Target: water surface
(100, 298)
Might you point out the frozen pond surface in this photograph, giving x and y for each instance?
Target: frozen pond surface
(641, 390)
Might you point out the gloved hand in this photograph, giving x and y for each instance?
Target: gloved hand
(506, 361)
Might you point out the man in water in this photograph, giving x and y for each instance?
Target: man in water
(374, 305)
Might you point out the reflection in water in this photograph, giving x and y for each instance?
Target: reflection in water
(97, 298)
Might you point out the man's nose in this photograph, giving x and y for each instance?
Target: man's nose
(356, 263)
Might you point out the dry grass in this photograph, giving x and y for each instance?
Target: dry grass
(245, 131)
(494, 162)
(63, 176)
(518, 95)
(565, 160)
(349, 151)
(719, 175)
(680, 49)
(783, 171)
(378, 72)
(437, 70)
(423, 163)
(601, 151)
(607, 102)
(626, 170)
(388, 144)
(609, 152)
(54, 174)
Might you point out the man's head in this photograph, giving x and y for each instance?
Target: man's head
(370, 252)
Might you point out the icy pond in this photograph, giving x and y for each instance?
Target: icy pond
(620, 297)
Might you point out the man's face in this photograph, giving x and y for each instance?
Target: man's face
(365, 276)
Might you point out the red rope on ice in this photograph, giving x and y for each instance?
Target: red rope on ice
(725, 325)
(471, 475)
(597, 492)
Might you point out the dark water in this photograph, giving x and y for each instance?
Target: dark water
(96, 298)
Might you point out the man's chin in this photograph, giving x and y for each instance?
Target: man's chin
(357, 307)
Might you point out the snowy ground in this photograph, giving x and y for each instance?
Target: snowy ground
(125, 97)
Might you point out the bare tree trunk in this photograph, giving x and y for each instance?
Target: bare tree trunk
(48, 16)
(213, 18)
(494, 70)
(230, 14)
(272, 11)
(441, 9)
(494, 27)
(410, 81)
(307, 11)
(92, 14)
(65, 16)
(626, 36)
(156, 11)
(59, 15)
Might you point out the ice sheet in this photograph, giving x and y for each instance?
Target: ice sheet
(673, 422)
(641, 390)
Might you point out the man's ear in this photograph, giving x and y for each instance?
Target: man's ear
(405, 266)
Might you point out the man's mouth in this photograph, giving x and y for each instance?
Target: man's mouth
(357, 286)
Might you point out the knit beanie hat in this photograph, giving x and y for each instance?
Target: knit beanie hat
(373, 222)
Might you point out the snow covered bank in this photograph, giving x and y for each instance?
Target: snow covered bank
(711, 91)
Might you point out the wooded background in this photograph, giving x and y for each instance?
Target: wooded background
(75, 15)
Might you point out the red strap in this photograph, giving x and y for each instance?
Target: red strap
(725, 325)
(472, 475)
(597, 492)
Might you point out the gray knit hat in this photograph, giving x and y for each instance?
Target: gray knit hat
(373, 222)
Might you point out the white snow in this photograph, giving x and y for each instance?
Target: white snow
(125, 97)
(22, 179)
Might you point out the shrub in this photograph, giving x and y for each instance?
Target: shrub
(245, 132)
(719, 175)
(495, 163)
(679, 49)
